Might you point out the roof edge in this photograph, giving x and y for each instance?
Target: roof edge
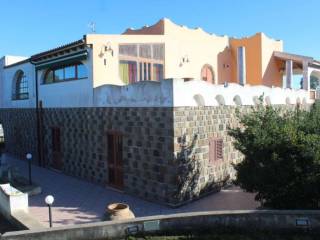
(69, 45)
(17, 63)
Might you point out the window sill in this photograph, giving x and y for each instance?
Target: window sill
(19, 99)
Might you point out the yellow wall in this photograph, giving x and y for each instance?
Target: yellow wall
(109, 73)
(253, 58)
(261, 66)
(199, 47)
(271, 75)
(224, 66)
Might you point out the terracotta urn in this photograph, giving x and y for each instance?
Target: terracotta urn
(119, 211)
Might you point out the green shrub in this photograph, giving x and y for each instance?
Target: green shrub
(281, 156)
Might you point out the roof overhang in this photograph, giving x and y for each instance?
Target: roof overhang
(315, 64)
(63, 55)
(17, 63)
(294, 57)
(62, 60)
(64, 49)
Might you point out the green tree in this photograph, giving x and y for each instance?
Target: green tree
(281, 156)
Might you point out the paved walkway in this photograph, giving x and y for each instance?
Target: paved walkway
(78, 201)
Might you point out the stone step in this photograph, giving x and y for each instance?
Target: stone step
(27, 220)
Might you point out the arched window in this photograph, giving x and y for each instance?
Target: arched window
(207, 73)
(73, 71)
(20, 86)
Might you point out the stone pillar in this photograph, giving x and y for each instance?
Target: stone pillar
(305, 73)
(289, 73)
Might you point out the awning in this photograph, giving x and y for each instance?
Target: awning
(62, 60)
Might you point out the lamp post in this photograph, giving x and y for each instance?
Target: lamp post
(29, 158)
(49, 201)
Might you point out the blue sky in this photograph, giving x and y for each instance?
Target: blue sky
(31, 26)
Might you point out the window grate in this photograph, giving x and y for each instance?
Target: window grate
(215, 149)
(21, 87)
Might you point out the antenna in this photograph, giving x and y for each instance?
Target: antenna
(92, 26)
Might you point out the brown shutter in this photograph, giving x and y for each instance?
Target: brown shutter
(215, 149)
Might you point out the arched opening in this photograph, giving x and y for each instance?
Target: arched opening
(288, 101)
(220, 100)
(304, 101)
(20, 86)
(256, 100)
(199, 100)
(298, 101)
(237, 100)
(207, 73)
(267, 100)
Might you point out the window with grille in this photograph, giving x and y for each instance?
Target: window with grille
(215, 149)
(20, 86)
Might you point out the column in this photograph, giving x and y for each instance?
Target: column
(305, 73)
(241, 61)
(289, 73)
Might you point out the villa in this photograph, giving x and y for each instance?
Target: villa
(146, 111)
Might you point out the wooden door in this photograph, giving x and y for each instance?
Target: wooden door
(115, 166)
(56, 148)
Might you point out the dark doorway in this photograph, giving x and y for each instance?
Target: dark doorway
(115, 166)
(56, 148)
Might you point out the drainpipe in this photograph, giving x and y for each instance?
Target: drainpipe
(39, 137)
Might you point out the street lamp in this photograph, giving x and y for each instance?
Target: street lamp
(49, 201)
(29, 158)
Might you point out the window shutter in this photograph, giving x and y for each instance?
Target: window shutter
(219, 149)
(215, 149)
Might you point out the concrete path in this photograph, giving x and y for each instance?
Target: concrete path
(78, 201)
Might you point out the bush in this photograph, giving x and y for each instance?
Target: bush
(281, 156)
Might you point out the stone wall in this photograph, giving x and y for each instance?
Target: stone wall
(193, 128)
(165, 150)
(259, 223)
(147, 145)
(19, 128)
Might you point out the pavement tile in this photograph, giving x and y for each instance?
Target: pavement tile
(78, 201)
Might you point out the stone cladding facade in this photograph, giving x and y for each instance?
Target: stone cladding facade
(165, 150)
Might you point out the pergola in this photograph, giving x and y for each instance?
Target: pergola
(295, 64)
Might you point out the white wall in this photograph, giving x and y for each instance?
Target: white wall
(140, 94)
(75, 93)
(9, 74)
(185, 92)
(178, 93)
(4, 61)
(12, 200)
